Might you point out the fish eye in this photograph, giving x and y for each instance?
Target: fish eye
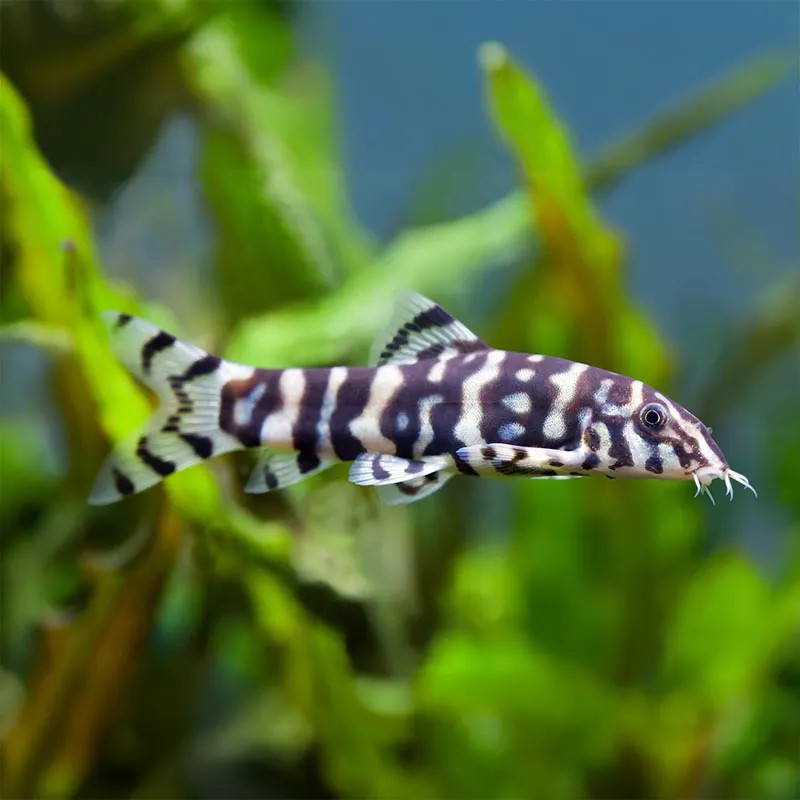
(653, 416)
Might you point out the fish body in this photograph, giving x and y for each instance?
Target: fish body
(438, 402)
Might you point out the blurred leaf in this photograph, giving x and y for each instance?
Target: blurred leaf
(438, 260)
(36, 202)
(518, 718)
(565, 217)
(31, 588)
(576, 285)
(355, 761)
(483, 599)
(84, 664)
(245, 734)
(721, 643)
(55, 269)
(271, 178)
(69, 59)
(691, 116)
(769, 333)
(24, 462)
(725, 630)
(48, 337)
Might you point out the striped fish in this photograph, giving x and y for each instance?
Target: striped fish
(438, 402)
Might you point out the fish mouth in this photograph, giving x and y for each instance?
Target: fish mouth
(703, 476)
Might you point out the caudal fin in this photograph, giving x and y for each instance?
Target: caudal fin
(184, 430)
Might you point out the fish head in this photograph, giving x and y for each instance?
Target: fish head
(653, 436)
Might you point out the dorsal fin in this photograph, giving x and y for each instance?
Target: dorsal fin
(420, 329)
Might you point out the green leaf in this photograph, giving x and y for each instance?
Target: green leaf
(722, 634)
(271, 177)
(437, 260)
(576, 282)
(565, 216)
(502, 718)
(355, 761)
(690, 117)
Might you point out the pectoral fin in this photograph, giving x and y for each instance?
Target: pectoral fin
(532, 462)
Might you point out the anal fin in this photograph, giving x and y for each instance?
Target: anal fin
(274, 470)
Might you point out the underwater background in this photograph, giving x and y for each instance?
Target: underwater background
(615, 183)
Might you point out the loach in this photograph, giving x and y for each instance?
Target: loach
(438, 402)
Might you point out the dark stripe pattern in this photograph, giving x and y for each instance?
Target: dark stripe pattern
(202, 445)
(161, 341)
(159, 465)
(350, 402)
(305, 432)
(203, 366)
(236, 391)
(122, 482)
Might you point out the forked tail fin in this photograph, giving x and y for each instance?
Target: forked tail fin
(184, 430)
